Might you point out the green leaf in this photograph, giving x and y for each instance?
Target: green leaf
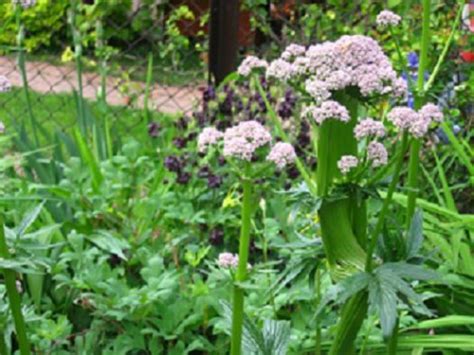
(109, 243)
(20, 265)
(276, 335)
(89, 160)
(342, 291)
(383, 297)
(29, 219)
(409, 271)
(445, 322)
(415, 234)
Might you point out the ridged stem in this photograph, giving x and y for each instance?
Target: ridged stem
(241, 274)
(13, 296)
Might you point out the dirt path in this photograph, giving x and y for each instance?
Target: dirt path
(47, 78)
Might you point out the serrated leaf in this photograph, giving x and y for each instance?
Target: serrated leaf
(276, 335)
(109, 243)
(410, 271)
(383, 297)
(342, 291)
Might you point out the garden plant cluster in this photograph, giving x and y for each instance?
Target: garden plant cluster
(317, 201)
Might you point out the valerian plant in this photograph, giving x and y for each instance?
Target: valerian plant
(248, 149)
(345, 86)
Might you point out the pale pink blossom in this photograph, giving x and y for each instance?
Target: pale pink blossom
(402, 117)
(317, 89)
(280, 69)
(388, 18)
(5, 84)
(243, 140)
(250, 63)
(292, 51)
(282, 154)
(228, 260)
(24, 3)
(377, 153)
(328, 110)
(369, 127)
(208, 136)
(347, 163)
(431, 112)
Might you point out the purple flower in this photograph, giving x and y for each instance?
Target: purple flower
(413, 60)
(208, 94)
(216, 236)
(214, 181)
(153, 129)
(173, 164)
(183, 178)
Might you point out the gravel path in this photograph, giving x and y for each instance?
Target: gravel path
(47, 78)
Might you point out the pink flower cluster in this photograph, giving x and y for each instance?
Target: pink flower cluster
(243, 140)
(24, 3)
(328, 110)
(317, 89)
(228, 260)
(208, 136)
(5, 84)
(293, 51)
(350, 61)
(280, 69)
(282, 154)
(250, 63)
(387, 18)
(347, 163)
(417, 123)
(369, 127)
(377, 153)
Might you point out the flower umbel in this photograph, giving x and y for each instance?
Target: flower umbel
(250, 63)
(282, 154)
(243, 140)
(369, 127)
(377, 153)
(347, 163)
(388, 18)
(208, 136)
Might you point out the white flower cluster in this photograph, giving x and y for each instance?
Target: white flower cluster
(26, 4)
(250, 63)
(417, 123)
(369, 127)
(228, 260)
(377, 153)
(242, 140)
(387, 18)
(328, 110)
(208, 136)
(347, 163)
(282, 154)
(5, 84)
(351, 61)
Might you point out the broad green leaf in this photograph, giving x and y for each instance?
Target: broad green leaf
(29, 219)
(415, 235)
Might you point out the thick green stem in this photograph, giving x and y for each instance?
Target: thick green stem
(352, 317)
(149, 80)
(13, 296)
(3, 346)
(241, 274)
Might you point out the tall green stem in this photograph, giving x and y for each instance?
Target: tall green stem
(386, 203)
(24, 76)
(241, 274)
(419, 100)
(13, 296)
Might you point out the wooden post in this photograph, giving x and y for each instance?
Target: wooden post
(223, 41)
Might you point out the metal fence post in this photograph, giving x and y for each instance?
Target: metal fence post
(223, 41)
